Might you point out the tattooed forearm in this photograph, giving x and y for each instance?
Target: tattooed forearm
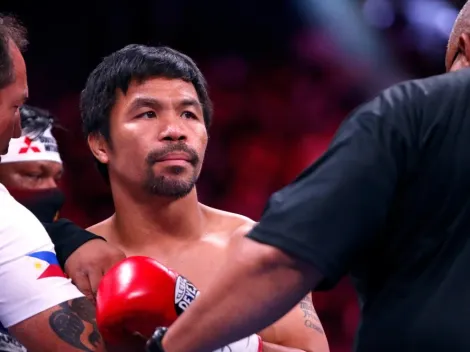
(75, 324)
(310, 316)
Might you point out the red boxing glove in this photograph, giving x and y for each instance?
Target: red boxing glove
(137, 295)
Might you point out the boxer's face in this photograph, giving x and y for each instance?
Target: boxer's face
(157, 137)
(11, 98)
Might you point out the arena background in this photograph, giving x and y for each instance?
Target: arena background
(282, 75)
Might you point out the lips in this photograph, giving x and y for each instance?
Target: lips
(175, 156)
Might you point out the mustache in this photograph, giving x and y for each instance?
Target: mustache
(155, 155)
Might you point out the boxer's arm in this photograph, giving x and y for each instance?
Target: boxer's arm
(272, 283)
(299, 330)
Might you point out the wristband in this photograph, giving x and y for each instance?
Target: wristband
(155, 342)
(67, 237)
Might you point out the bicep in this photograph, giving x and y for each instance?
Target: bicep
(69, 326)
(300, 328)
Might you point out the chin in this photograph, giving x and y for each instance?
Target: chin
(173, 186)
(177, 170)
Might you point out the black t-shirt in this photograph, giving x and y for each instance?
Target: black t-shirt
(389, 204)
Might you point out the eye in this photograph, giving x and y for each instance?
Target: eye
(189, 115)
(34, 176)
(148, 114)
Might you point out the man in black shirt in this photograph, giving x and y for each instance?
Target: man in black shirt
(388, 204)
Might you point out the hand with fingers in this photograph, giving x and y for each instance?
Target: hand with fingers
(87, 265)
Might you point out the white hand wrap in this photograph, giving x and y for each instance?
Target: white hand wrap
(251, 343)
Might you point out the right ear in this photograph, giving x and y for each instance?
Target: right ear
(99, 147)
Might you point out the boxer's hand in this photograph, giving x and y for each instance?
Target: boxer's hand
(87, 265)
(137, 295)
(252, 343)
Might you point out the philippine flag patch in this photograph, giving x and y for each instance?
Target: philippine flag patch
(47, 263)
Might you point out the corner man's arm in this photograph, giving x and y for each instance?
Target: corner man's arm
(256, 287)
(38, 304)
(67, 327)
(300, 330)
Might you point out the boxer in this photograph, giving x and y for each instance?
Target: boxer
(146, 112)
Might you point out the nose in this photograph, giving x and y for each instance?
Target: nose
(173, 130)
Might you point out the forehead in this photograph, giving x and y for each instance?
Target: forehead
(45, 165)
(18, 90)
(163, 89)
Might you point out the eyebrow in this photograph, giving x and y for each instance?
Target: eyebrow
(190, 102)
(143, 102)
(152, 102)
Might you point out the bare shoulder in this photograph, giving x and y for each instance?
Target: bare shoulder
(230, 224)
(102, 228)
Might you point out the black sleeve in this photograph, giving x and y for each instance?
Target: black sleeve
(337, 206)
(67, 237)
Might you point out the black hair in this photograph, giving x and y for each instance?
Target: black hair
(134, 63)
(35, 121)
(10, 30)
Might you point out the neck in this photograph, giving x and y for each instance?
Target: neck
(149, 219)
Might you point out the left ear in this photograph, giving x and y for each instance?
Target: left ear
(99, 147)
(463, 60)
(464, 46)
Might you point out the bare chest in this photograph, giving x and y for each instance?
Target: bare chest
(198, 262)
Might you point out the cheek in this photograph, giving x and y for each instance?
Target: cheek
(129, 153)
(16, 181)
(202, 140)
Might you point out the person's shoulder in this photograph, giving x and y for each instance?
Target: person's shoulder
(405, 105)
(459, 78)
(226, 222)
(21, 232)
(427, 90)
(102, 228)
(14, 215)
